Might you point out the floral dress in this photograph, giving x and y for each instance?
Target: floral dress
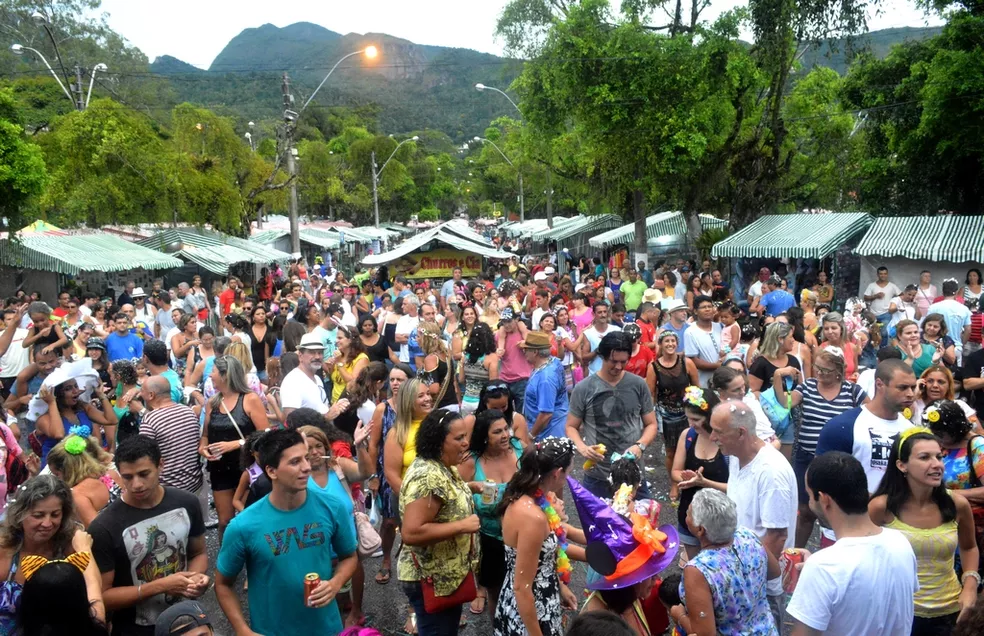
(385, 490)
(737, 575)
(546, 595)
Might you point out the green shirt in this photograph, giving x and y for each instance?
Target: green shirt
(632, 293)
(446, 562)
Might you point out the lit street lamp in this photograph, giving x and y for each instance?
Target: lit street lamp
(376, 174)
(522, 203)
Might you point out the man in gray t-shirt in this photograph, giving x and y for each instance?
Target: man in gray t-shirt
(613, 408)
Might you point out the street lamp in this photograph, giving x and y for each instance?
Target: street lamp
(370, 52)
(249, 138)
(92, 80)
(376, 174)
(482, 87)
(522, 203)
(17, 49)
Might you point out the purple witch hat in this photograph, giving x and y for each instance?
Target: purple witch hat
(610, 540)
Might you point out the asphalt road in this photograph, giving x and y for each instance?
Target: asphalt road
(385, 605)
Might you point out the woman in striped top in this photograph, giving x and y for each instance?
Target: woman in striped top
(822, 397)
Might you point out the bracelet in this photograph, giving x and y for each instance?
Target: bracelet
(972, 574)
(139, 596)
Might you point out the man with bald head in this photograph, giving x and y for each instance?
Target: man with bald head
(762, 484)
(175, 429)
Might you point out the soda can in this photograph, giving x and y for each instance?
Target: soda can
(489, 491)
(310, 582)
(791, 557)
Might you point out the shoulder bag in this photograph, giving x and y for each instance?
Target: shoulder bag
(369, 539)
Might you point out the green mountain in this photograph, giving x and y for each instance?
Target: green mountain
(838, 53)
(409, 86)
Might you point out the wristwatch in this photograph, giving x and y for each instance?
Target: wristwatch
(641, 445)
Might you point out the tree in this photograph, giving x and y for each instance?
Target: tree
(23, 175)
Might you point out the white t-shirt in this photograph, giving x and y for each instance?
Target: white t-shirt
(537, 314)
(866, 380)
(17, 357)
(904, 311)
(763, 427)
(297, 391)
(764, 490)
(879, 306)
(406, 325)
(860, 586)
(704, 345)
(593, 336)
(348, 318)
(755, 291)
(866, 436)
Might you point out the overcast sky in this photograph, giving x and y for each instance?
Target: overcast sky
(195, 31)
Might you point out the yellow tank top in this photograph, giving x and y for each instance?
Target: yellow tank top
(337, 382)
(939, 589)
(410, 448)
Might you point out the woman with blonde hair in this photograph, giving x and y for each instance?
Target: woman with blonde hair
(808, 303)
(490, 315)
(437, 372)
(88, 470)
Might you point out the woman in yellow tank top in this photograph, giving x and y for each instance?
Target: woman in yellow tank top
(913, 500)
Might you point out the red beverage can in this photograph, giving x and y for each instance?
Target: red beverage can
(791, 557)
(310, 582)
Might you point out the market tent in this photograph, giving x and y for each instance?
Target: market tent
(449, 234)
(934, 238)
(318, 238)
(793, 235)
(579, 225)
(399, 229)
(530, 227)
(83, 251)
(657, 225)
(948, 245)
(39, 226)
(213, 251)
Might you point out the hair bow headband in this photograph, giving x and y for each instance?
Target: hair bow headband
(626, 455)
(33, 563)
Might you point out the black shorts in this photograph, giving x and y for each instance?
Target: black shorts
(492, 569)
(672, 430)
(224, 478)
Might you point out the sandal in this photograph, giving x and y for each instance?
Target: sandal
(481, 599)
(383, 576)
(410, 627)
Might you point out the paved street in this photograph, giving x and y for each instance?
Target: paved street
(385, 605)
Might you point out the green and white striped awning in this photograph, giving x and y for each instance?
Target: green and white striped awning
(579, 225)
(953, 239)
(318, 238)
(529, 227)
(213, 251)
(662, 224)
(85, 251)
(793, 235)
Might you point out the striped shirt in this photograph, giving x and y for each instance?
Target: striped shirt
(817, 410)
(175, 429)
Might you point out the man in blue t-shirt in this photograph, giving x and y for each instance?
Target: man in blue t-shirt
(545, 403)
(776, 301)
(280, 539)
(122, 344)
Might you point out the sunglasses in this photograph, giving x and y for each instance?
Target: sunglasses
(496, 386)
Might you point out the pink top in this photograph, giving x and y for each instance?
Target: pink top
(583, 321)
(512, 365)
(925, 298)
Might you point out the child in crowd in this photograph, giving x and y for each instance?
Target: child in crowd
(249, 491)
(668, 591)
(625, 478)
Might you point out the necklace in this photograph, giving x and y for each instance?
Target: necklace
(564, 568)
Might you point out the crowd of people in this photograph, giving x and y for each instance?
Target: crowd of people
(322, 417)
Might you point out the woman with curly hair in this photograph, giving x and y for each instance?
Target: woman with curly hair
(479, 366)
(937, 383)
(469, 319)
(40, 521)
(439, 522)
(349, 360)
(88, 470)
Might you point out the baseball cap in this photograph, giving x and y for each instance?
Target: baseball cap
(310, 341)
(95, 343)
(506, 314)
(181, 618)
(539, 276)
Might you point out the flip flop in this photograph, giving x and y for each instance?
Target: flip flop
(383, 576)
(484, 600)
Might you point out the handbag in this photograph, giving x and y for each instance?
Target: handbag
(369, 539)
(466, 592)
(778, 414)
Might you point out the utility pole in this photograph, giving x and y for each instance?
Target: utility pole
(375, 189)
(522, 204)
(290, 120)
(77, 89)
(549, 200)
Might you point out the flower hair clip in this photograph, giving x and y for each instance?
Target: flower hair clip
(694, 395)
(75, 445)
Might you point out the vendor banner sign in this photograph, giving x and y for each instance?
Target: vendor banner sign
(437, 264)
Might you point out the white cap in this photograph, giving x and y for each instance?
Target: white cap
(549, 270)
(539, 276)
